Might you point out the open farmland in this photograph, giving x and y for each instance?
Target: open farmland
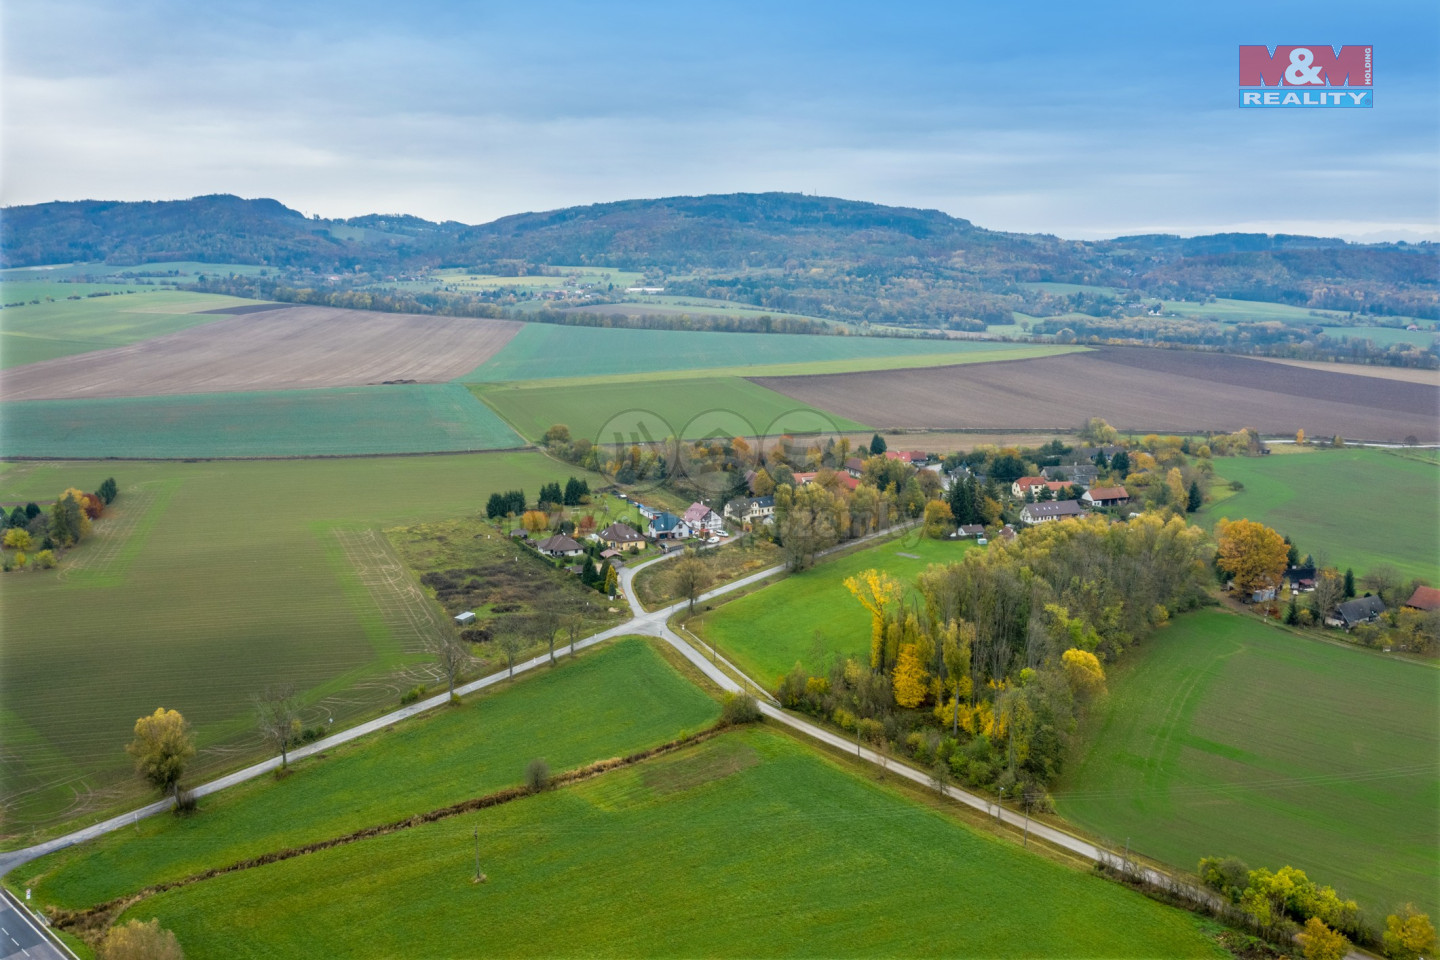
(809, 617)
(639, 410)
(1135, 389)
(339, 421)
(746, 845)
(1297, 494)
(1224, 736)
(611, 701)
(279, 349)
(63, 327)
(544, 351)
(204, 582)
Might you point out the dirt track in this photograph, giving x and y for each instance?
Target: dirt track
(1132, 388)
(280, 349)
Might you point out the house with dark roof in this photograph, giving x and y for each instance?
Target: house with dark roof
(1033, 513)
(1106, 496)
(666, 526)
(1424, 598)
(1083, 474)
(622, 536)
(1301, 579)
(855, 467)
(1352, 613)
(560, 546)
(967, 530)
(750, 509)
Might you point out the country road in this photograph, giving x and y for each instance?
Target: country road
(653, 623)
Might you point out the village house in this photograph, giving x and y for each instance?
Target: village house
(667, 526)
(1106, 496)
(560, 546)
(701, 517)
(1301, 579)
(855, 467)
(621, 536)
(1033, 513)
(750, 510)
(968, 530)
(1031, 486)
(1352, 613)
(1083, 474)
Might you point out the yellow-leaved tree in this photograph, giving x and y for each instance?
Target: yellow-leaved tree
(161, 747)
(1083, 672)
(911, 681)
(1409, 934)
(1300, 436)
(1319, 942)
(139, 941)
(534, 520)
(1252, 553)
(877, 592)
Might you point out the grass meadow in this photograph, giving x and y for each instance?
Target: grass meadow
(1385, 336)
(46, 330)
(203, 583)
(1226, 736)
(399, 418)
(748, 845)
(653, 410)
(1350, 508)
(809, 617)
(611, 701)
(543, 351)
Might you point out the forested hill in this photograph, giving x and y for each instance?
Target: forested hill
(733, 239)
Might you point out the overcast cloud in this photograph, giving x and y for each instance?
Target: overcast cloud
(1059, 118)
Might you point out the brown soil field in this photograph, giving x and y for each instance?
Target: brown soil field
(1137, 389)
(1407, 374)
(279, 349)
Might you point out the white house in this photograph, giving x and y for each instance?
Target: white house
(701, 517)
(1033, 513)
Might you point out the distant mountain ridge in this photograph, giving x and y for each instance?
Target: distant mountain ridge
(727, 233)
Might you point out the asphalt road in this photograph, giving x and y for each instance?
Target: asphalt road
(20, 936)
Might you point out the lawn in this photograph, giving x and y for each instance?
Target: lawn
(642, 411)
(810, 616)
(616, 700)
(747, 845)
(1225, 736)
(402, 418)
(1384, 336)
(543, 351)
(740, 558)
(203, 583)
(47, 330)
(1350, 508)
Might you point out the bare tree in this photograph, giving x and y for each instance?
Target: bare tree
(574, 625)
(543, 624)
(1384, 580)
(452, 654)
(512, 641)
(690, 577)
(277, 714)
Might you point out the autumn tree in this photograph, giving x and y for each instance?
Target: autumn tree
(938, 519)
(535, 521)
(877, 592)
(277, 714)
(1329, 591)
(68, 522)
(911, 681)
(612, 580)
(1252, 553)
(689, 578)
(17, 538)
(1319, 942)
(1409, 934)
(162, 746)
(139, 941)
(762, 483)
(1300, 436)
(1083, 672)
(807, 520)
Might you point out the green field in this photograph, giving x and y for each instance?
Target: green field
(1349, 508)
(1385, 336)
(204, 582)
(610, 702)
(1225, 736)
(747, 845)
(399, 418)
(47, 330)
(769, 631)
(693, 408)
(544, 351)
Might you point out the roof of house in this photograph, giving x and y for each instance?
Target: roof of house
(804, 478)
(1057, 508)
(855, 463)
(558, 544)
(1107, 493)
(665, 521)
(696, 512)
(1424, 598)
(520, 534)
(621, 533)
(1361, 608)
(763, 502)
(1071, 472)
(972, 529)
(1031, 481)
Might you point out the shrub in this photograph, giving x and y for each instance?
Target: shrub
(45, 559)
(739, 708)
(537, 775)
(413, 694)
(139, 941)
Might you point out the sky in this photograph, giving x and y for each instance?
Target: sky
(1080, 120)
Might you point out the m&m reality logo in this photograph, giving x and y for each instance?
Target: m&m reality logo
(1311, 76)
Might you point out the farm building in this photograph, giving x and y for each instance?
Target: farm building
(1301, 579)
(1352, 613)
(1033, 513)
(1424, 598)
(464, 619)
(559, 546)
(1106, 496)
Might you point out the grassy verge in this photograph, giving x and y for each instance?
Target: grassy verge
(654, 587)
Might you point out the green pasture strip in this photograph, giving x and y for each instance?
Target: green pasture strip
(47, 330)
(747, 845)
(234, 578)
(1354, 507)
(401, 418)
(616, 700)
(810, 617)
(691, 408)
(543, 351)
(1385, 336)
(1226, 736)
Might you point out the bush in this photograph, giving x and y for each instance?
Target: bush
(739, 708)
(537, 775)
(185, 802)
(139, 941)
(45, 559)
(413, 694)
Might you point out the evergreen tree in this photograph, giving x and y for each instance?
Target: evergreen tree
(574, 490)
(1100, 460)
(1349, 583)
(108, 491)
(32, 510)
(877, 445)
(1120, 463)
(1195, 499)
(495, 506)
(588, 574)
(1293, 557)
(1292, 612)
